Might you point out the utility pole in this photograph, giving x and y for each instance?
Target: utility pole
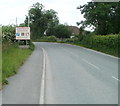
(16, 21)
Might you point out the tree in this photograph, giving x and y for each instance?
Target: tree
(52, 23)
(62, 31)
(103, 16)
(40, 20)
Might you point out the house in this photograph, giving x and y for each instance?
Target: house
(75, 30)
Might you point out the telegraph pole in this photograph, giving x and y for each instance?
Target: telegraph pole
(16, 21)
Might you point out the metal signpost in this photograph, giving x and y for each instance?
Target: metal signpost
(22, 34)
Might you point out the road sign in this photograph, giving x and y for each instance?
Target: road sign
(22, 33)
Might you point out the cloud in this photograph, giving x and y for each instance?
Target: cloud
(67, 12)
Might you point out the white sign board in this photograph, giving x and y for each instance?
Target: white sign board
(22, 33)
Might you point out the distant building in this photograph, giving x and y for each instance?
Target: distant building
(75, 30)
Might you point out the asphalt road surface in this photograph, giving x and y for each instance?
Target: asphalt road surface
(24, 87)
(72, 75)
(75, 75)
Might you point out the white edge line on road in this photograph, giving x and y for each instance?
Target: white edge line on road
(91, 64)
(42, 92)
(115, 78)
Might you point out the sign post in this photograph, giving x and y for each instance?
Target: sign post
(23, 34)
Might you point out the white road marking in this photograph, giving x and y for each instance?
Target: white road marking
(91, 64)
(115, 78)
(69, 52)
(82, 59)
(42, 92)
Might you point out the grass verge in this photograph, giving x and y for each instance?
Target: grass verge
(12, 58)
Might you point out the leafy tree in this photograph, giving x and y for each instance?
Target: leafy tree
(40, 20)
(62, 31)
(52, 23)
(23, 25)
(103, 16)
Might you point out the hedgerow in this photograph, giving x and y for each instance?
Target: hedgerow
(106, 43)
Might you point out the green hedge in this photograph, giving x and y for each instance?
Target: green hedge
(46, 39)
(104, 43)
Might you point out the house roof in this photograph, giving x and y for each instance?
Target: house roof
(75, 30)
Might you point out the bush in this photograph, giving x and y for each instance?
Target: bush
(47, 39)
(69, 40)
(51, 38)
(62, 31)
(80, 37)
(8, 34)
(105, 43)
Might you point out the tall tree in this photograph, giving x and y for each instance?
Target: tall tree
(40, 19)
(62, 31)
(103, 16)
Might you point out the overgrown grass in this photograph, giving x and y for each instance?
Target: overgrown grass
(0, 65)
(12, 58)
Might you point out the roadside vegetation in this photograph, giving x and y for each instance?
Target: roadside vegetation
(12, 56)
(104, 43)
(0, 65)
(46, 39)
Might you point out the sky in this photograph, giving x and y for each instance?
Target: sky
(66, 9)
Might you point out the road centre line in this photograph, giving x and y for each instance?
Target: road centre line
(91, 64)
(83, 59)
(115, 78)
(70, 52)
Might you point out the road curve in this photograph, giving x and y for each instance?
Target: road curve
(75, 75)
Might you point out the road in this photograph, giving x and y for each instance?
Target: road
(75, 75)
(72, 75)
(24, 87)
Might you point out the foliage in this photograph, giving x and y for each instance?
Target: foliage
(40, 20)
(104, 43)
(8, 34)
(47, 39)
(10, 65)
(23, 25)
(103, 16)
(62, 31)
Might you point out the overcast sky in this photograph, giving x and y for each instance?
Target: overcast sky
(67, 12)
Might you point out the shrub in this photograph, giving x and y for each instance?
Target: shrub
(51, 38)
(106, 43)
(47, 39)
